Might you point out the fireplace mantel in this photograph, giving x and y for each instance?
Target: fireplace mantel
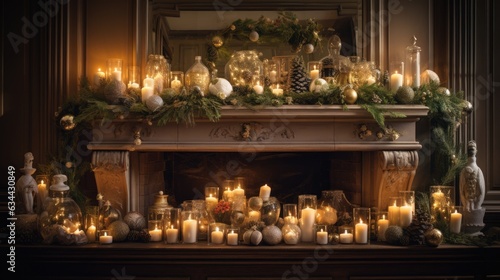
(284, 128)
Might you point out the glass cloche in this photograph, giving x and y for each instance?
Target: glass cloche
(61, 222)
(334, 66)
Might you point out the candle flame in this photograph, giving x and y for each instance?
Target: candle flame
(383, 217)
(360, 221)
(395, 204)
(217, 229)
(232, 231)
(105, 234)
(42, 182)
(345, 231)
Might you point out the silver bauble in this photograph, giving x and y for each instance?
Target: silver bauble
(309, 48)
(443, 90)
(154, 102)
(67, 122)
(135, 220)
(467, 107)
(253, 36)
(433, 237)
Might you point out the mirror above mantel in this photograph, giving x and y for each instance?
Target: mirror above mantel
(181, 29)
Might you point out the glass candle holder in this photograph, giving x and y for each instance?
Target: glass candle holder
(155, 229)
(393, 210)
(240, 181)
(171, 226)
(346, 235)
(442, 199)
(216, 233)
(43, 191)
(456, 219)
(90, 224)
(254, 205)
(321, 234)
(105, 237)
(382, 225)
(290, 214)
(176, 80)
(313, 68)
(189, 221)
(307, 214)
(361, 221)
(228, 187)
(211, 197)
(407, 209)
(412, 65)
(114, 68)
(396, 71)
(232, 236)
(134, 77)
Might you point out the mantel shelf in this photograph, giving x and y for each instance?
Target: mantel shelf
(284, 128)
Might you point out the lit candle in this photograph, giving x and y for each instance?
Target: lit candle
(438, 198)
(290, 220)
(228, 194)
(133, 85)
(405, 215)
(291, 237)
(265, 192)
(148, 82)
(361, 232)
(254, 215)
(217, 237)
(307, 219)
(277, 90)
(42, 192)
(158, 80)
(155, 234)
(232, 238)
(91, 230)
(146, 92)
(314, 74)
(116, 75)
(105, 239)
(238, 191)
(189, 230)
(272, 76)
(176, 84)
(346, 237)
(394, 214)
(382, 225)
(258, 88)
(322, 237)
(396, 81)
(211, 202)
(172, 235)
(455, 222)
(98, 76)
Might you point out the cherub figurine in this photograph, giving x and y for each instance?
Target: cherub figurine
(472, 185)
(26, 186)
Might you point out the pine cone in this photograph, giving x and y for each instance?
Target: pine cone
(299, 80)
(421, 222)
(133, 235)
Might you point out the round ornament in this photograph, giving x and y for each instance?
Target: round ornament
(119, 230)
(318, 85)
(443, 90)
(135, 220)
(67, 122)
(429, 76)
(217, 41)
(253, 36)
(309, 48)
(393, 235)
(433, 237)
(221, 87)
(272, 235)
(255, 203)
(405, 95)
(467, 106)
(154, 102)
(252, 237)
(334, 238)
(350, 95)
(114, 91)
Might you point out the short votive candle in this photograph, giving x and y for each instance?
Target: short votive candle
(232, 236)
(155, 229)
(345, 235)
(321, 235)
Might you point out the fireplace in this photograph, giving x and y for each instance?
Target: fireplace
(296, 150)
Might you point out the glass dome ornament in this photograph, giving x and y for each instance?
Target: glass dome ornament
(158, 69)
(61, 222)
(197, 76)
(244, 68)
(334, 64)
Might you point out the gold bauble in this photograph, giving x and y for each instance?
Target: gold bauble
(467, 106)
(350, 96)
(67, 122)
(334, 238)
(309, 48)
(433, 237)
(443, 90)
(253, 36)
(217, 41)
(232, 27)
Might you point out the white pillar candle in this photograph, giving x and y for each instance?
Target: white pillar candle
(314, 74)
(405, 215)
(277, 90)
(265, 192)
(238, 191)
(346, 237)
(176, 84)
(91, 231)
(105, 239)
(393, 212)
(254, 215)
(146, 92)
(98, 76)
(322, 237)
(172, 235)
(217, 236)
(227, 195)
(189, 230)
(42, 192)
(455, 222)
(258, 88)
(361, 232)
(396, 81)
(272, 76)
(232, 238)
(116, 75)
(133, 85)
(382, 225)
(155, 234)
(307, 219)
(148, 82)
(211, 202)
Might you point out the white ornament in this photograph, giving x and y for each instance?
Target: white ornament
(309, 48)
(221, 88)
(427, 76)
(154, 102)
(253, 36)
(318, 85)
